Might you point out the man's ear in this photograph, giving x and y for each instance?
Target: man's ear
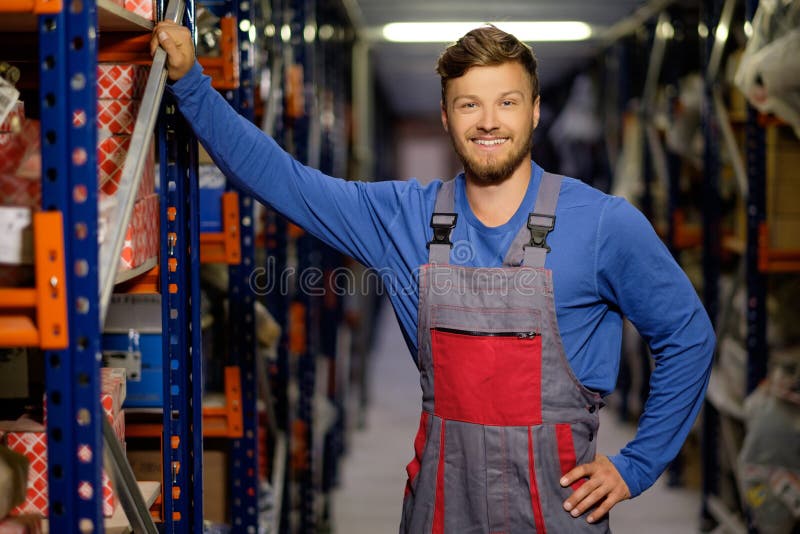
(535, 112)
(444, 116)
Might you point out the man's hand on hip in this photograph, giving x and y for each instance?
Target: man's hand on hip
(604, 487)
(176, 40)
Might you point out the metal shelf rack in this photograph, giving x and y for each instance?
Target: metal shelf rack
(68, 51)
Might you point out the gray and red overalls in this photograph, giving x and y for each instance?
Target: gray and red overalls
(503, 415)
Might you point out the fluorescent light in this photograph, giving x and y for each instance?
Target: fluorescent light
(447, 32)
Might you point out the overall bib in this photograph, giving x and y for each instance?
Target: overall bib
(503, 416)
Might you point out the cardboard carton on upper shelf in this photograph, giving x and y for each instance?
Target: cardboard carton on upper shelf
(783, 188)
(145, 8)
(121, 81)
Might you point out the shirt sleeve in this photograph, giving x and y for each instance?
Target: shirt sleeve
(352, 217)
(637, 273)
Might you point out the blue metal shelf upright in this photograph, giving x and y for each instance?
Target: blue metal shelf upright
(244, 450)
(67, 58)
(182, 443)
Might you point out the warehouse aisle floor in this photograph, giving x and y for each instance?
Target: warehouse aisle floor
(373, 473)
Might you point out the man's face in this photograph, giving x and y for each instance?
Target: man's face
(490, 115)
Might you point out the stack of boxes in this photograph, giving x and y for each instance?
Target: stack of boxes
(119, 91)
(29, 438)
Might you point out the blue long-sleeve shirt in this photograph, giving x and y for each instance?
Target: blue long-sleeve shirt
(606, 260)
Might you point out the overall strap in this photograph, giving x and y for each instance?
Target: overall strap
(443, 221)
(530, 246)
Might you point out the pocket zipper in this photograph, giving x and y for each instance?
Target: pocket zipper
(518, 335)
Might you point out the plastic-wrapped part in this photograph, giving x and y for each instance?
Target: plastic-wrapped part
(685, 134)
(769, 462)
(208, 33)
(769, 72)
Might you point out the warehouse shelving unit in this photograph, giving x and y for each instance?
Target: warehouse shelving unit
(68, 49)
(75, 278)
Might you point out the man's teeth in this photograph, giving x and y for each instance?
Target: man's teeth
(490, 142)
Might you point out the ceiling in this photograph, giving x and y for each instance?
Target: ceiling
(406, 71)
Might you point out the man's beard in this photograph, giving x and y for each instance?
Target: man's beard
(491, 171)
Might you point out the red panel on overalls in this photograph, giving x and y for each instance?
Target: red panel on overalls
(503, 415)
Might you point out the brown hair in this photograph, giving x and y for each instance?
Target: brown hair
(485, 46)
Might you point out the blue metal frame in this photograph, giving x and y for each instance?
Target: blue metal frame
(757, 347)
(182, 446)
(68, 54)
(711, 261)
(244, 451)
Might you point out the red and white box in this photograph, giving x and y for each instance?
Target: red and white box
(17, 148)
(112, 391)
(112, 152)
(113, 116)
(141, 239)
(33, 445)
(121, 81)
(14, 119)
(141, 7)
(117, 116)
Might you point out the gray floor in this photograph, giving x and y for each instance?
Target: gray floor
(373, 474)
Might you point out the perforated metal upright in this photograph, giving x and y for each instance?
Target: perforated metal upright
(757, 347)
(182, 358)
(711, 255)
(244, 450)
(67, 59)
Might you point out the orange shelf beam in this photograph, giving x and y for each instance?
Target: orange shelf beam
(218, 422)
(224, 70)
(37, 7)
(47, 301)
(225, 246)
(775, 260)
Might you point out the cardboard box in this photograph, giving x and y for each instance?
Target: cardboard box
(30, 440)
(113, 116)
(215, 486)
(783, 189)
(121, 81)
(112, 151)
(142, 236)
(146, 465)
(144, 8)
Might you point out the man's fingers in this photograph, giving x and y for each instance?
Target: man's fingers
(573, 503)
(597, 494)
(167, 43)
(605, 507)
(577, 473)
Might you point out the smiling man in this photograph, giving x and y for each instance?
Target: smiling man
(519, 341)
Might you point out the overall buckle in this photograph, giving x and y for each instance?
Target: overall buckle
(540, 225)
(442, 224)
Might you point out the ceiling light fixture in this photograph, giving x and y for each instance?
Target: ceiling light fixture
(446, 32)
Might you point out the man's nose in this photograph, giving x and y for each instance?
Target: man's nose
(488, 119)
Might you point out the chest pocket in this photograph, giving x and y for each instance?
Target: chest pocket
(487, 365)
